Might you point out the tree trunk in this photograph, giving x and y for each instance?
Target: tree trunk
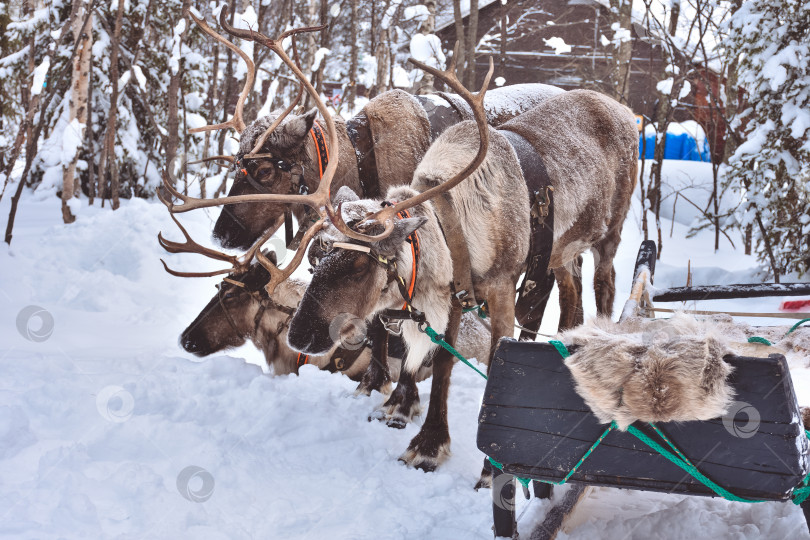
(105, 164)
(173, 120)
(472, 42)
(460, 39)
(351, 88)
(83, 36)
(504, 31)
(621, 13)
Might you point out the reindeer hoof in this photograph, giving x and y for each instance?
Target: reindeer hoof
(376, 414)
(396, 422)
(485, 481)
(427, 450)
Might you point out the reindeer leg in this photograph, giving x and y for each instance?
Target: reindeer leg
(569, 299)
(431, 446)
(402, 405)
(377, 376)
(502, 313)
(604, 277)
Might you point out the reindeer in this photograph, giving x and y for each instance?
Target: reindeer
(599, 137)
(589, 144)
(242, 310)
(286, 153)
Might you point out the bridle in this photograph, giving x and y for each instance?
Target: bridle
(265, 303)
(392, 318)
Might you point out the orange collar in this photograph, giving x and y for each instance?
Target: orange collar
(415, 247)
(320, 145)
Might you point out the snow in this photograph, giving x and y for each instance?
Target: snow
(40, 73)
(558, 44)
(500, 81)
(417, 13)
(109, 430)
(428, 50)
(72, 138)
(320, 54)
(139, 76)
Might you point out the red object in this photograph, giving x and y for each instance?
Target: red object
(794, 305)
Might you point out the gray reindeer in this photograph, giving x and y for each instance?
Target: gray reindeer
(589, 145)
(286, 153)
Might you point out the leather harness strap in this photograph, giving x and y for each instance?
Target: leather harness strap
(362, 140)
(538, 281)
(320, 145)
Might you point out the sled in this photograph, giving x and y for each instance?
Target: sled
(535, 426)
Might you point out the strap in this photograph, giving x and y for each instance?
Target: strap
(359, 131)
(537, 282)
(320, 145)
(302, 359)
(413, 239)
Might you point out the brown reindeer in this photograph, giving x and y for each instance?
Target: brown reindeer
(242, 310)
(589, 145)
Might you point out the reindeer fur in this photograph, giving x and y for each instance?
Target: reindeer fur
(651, 371)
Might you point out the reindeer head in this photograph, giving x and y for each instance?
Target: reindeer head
(276, 161)
(351, 280)
(240, 310)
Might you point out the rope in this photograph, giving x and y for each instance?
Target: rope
(798, 324)
(438, 339)
(757, 339)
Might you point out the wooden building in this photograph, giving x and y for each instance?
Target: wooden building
(585, 26)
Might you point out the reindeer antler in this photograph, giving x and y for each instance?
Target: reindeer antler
(318, 200)
(388, 214)
(261, 140)
(237, 122)
(238, 264)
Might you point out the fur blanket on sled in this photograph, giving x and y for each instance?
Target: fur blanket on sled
(651, 370)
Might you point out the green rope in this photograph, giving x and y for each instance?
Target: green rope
(561, 348)
(688, 467)
(798, 324)
(439, 340)
(757, 339)
(674, 448)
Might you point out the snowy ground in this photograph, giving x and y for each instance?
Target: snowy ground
(109, 430)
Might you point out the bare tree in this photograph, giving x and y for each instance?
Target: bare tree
(83, 37)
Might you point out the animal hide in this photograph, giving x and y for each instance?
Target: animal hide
(651, 371)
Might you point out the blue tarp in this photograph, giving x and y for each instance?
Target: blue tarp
(679, 146)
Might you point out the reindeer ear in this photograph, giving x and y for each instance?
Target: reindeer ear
(271, 255)
(345, 194)
(403, 228)
(298, 127)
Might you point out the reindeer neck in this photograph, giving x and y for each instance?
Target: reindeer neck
(346, 173)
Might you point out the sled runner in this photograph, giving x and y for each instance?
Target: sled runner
(534, 425)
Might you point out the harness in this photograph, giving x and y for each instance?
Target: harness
(265, 303)
(537, 283)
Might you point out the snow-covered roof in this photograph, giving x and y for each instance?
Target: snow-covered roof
(445, 18)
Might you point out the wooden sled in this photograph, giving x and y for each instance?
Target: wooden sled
(534, 423)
